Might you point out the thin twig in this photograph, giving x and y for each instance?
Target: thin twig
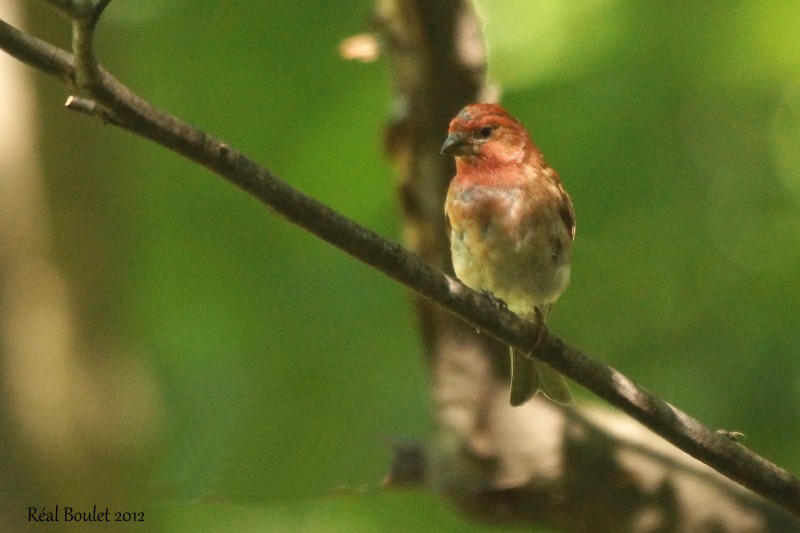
(37, 53)
(81, 105)
(138, 116)
(89, 107)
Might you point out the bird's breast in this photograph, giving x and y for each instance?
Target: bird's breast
(503, 241)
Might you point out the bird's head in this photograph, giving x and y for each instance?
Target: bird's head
(487, 135)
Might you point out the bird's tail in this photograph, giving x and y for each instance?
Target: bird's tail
(529, 376)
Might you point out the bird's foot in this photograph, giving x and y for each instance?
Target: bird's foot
(497, 302)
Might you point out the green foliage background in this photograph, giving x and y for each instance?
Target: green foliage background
(284, 366)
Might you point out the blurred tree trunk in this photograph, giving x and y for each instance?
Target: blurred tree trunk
(77, 423)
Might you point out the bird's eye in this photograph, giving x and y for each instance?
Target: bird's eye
(485, 132)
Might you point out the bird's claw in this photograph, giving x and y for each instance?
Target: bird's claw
(497, 302)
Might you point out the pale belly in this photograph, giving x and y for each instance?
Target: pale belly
(521, 259)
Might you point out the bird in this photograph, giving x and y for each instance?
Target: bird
(511, 225)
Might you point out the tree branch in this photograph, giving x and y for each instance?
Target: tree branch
(118, 104)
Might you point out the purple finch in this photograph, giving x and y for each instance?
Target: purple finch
(511, 229)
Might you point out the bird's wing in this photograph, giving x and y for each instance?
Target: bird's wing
(567, 212)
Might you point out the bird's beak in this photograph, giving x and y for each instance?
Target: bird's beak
(457, 144)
